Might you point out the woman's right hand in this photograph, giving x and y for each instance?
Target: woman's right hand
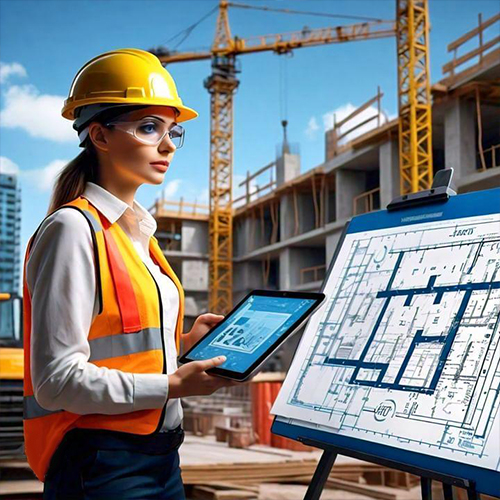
(191, 380)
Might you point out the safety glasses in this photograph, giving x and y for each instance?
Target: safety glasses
(151, 131)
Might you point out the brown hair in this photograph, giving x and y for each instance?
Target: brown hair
(70, 183)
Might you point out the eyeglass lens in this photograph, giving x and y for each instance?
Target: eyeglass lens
(152, 131)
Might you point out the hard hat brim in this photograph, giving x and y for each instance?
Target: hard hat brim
(185, 113)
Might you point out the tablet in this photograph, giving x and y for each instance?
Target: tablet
(253, 330)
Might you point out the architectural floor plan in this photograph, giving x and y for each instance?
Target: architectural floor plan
(405, 350)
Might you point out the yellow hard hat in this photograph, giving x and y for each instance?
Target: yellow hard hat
(125, 76)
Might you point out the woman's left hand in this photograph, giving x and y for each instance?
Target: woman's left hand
(201, 326)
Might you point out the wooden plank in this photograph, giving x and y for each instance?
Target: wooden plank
(10, 488)
(364, 122)
(378, 492)
(356, 112)
(269, 377)
(472, 33)
(233, 486)
(255, 174)
(489, 59)
(208, 493)
(448, 67)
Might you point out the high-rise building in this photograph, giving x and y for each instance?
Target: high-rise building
(10, 233)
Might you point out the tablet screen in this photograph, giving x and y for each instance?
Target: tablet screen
(252, 328)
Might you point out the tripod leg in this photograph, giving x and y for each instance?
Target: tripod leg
(472, 494)
(320, 475)
(448, 492)
(426, 488)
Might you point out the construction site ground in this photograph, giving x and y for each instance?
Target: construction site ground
(213, 471)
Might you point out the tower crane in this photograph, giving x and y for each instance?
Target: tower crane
(411, 31)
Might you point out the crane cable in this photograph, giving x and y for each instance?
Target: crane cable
(283, 88)
(309, 13)
(187, 31)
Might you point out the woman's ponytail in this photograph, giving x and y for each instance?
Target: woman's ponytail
(70, 183)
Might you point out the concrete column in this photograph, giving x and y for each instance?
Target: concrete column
(287, 167)
(306, 212)
(247, 276)
(195, 275)
(285, 269)
(194, 236)
(194, 271)
(332, 241)
(460, 138)
(349, 184)
(389, 172)
(292, 260)
(242, 242)
(287, 217)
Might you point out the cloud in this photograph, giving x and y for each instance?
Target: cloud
(8, 166)
(12, 69)
(171, 188)
(342, 112)
(38, 114)
(312, 127)
(43, 178)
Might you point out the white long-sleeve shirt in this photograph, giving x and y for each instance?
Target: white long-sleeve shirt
(61, 278)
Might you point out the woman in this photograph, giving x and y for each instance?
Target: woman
(103, 309)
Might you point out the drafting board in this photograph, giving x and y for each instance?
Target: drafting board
(402, 361)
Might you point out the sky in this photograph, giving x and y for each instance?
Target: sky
(43, 43)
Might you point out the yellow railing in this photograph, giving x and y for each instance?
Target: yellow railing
(366, 202)
(317, 272)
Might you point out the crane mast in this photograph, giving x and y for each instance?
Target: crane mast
(221, 85)
(415, 132)
(414, 96)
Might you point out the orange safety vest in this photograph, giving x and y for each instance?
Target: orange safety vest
(127, 334)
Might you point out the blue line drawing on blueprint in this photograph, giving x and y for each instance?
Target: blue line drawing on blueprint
(406, 350)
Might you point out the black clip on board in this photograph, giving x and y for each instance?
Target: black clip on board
(440, 192)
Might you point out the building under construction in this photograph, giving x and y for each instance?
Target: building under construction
(287, 224)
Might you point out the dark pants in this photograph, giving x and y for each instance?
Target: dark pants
(96, 464)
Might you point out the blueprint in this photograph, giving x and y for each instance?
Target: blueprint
(405, 350)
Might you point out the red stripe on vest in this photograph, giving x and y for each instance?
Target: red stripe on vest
(125, 295)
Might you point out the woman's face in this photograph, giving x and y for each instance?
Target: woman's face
(125, 156)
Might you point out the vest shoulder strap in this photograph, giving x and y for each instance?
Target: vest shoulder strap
(82, 206)
(125, 294)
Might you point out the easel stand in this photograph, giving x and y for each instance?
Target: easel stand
(439, 193)
(426, 476)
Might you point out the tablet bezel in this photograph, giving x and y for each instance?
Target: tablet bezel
(241, 376)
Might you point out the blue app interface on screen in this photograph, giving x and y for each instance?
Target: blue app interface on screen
(251, 330)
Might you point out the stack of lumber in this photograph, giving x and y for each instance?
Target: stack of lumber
(203, 460)
(202, 416)
(235, 437)
(203, 421)
(213, 471)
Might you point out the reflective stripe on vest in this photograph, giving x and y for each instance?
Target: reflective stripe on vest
(113, 346)
(31, 408)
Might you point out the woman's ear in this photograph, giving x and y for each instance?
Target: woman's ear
(98, 136)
